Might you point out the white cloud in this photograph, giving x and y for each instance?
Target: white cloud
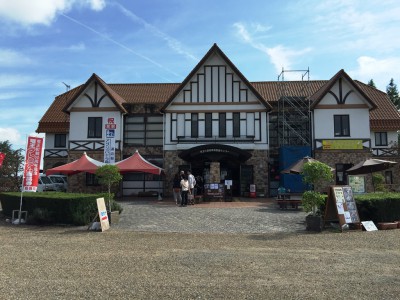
(10, 134)
(11, 58)
(379, 70)
(41, 11)
(280, 56)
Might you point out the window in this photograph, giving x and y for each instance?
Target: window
(388, 177)
(381, 139)
(342, 125)
(236, 124)
(195, 125)
(60, 141)
(208, 125)
(91, 179)
(222, 124)
(143, 130)
(95, 129)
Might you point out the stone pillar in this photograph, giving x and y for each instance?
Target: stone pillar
(215, 172)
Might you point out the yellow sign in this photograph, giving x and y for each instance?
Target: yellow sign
(342, 144)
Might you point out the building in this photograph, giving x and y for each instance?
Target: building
(223, 127)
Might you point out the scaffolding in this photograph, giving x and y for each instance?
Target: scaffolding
(294, 116)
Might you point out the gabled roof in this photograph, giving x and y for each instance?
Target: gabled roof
(115, 98)
(217, 50)
(317, 97)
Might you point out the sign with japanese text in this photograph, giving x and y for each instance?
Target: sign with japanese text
(109, 142)
(342, 144)
(101, 207)
(32, 164)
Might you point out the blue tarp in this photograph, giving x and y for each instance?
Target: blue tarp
(288, 155)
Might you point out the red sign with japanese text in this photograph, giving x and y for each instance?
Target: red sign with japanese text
(32, 164)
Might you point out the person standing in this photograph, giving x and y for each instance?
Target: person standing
(184, 190)
(192, 182)
(176, 189)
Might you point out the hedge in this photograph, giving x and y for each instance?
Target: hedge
(378, 207)
(54, 207)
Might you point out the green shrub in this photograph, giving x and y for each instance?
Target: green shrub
(40, 216)
(378, 181)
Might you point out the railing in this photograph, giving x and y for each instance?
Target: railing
(56, 153)
(90, 145)
(216, 139)
(385, 151)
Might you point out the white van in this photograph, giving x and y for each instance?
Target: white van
(60, 182)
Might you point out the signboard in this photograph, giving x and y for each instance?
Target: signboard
(101, 207)
(109, 142)
(214, 191)
(369, 226)
(357, 183)
(2, 156)
(341, 206)
(32, 164)
(342, 144)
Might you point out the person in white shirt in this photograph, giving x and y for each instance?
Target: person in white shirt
(184, 190)
(192, 182)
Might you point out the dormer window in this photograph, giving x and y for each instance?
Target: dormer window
(341, 125)
(381, 139)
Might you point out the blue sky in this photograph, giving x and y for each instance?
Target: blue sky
(46, 43)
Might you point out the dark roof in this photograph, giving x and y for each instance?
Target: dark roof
(385, 117)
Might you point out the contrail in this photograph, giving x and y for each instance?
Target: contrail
(120, 45)
(172, 43)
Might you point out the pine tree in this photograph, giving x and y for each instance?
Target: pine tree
(371, 83)
(393, 93)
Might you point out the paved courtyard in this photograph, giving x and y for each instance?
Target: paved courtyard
(260, 216)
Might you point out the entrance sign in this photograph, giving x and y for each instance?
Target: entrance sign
(341, 206)
(32, 164)
(101, 207)
(109, 142)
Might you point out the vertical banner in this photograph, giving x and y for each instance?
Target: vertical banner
(32, 164)
(109, 142)
(2, 156)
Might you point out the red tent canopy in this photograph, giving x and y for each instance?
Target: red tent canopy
(136, 163)
(83, 164)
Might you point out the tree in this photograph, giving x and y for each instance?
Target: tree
(108, 175)
(12, 168)
(393, 93)
(371, 83)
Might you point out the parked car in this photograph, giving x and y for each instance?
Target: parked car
(60, 181)
(44, 184)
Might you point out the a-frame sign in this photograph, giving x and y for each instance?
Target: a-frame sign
(341, 206)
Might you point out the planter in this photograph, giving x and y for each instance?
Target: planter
(113, 217)
(387, 225)
(314, 223)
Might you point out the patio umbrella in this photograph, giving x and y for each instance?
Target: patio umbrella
(370, 165)
(136, 163)
(297, 167)
(83, 164)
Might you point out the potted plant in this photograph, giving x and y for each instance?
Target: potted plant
(109, 175)
(314, 174)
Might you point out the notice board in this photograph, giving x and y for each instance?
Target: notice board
(341, 206)
(101, 207)
(214, 191)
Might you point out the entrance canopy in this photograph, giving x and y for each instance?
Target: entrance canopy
(83, 164)
(214, 152)
(136, 163)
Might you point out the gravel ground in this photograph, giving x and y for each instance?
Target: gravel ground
(73, 263)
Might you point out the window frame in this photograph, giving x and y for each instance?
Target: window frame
(60, 140)
(222, 125)
(380, 135)
(147, 135)
(236, 124)
(194, 125)
(340, 124)
(95, 128)
(208, 125)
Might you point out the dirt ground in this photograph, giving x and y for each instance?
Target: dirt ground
(73, 263)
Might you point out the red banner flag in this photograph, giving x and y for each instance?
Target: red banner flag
(32, 164)
(2, 156)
